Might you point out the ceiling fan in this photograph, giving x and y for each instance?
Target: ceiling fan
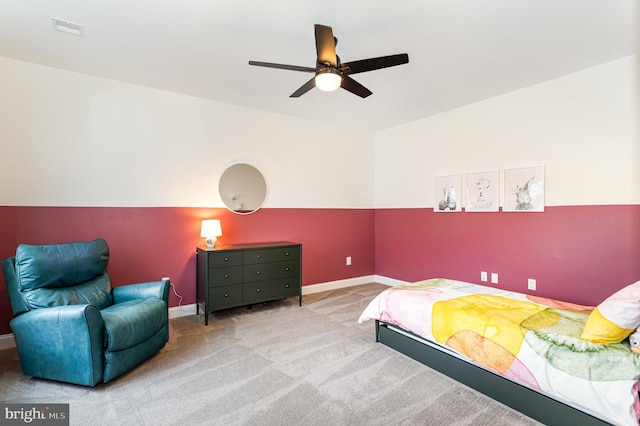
(330, 73)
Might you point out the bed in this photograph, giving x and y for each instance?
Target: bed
(557, 362)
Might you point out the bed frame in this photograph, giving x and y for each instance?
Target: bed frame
(523, 399)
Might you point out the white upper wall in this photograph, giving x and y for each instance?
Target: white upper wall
(69, 139)
(584, 128)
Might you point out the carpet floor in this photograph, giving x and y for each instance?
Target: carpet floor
(274, 364)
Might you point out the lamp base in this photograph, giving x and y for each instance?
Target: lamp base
(211, 241)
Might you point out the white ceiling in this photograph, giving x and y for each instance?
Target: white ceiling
(460, 51)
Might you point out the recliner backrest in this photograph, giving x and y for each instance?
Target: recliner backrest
(63, 274)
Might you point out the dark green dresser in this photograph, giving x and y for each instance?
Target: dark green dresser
(244, 274)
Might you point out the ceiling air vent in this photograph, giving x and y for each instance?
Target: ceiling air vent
(67, 27)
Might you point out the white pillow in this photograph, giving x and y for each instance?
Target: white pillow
(615, 318)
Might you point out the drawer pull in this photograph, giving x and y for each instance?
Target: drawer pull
(258, 273)
(226, 295)
(226, 259)
(259, 256)
(286, 253)
(286, 269)
(257, 290)
(226, 275)
(286, 286)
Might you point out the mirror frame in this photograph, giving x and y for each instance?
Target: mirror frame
(242, 183)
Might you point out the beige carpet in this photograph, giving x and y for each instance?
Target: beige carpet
(275, 364)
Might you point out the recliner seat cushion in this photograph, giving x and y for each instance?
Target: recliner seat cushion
(130, 323)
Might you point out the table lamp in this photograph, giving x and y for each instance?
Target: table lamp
(210, 230)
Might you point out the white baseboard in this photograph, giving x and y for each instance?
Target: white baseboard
(182, 311)
(334, 285)
(7, 341)
(388, 281)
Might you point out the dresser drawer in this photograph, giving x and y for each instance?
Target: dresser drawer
(223, 259)
(271, 255)
(270, 289)
(221, 297)
(270, 271)
(224, 276)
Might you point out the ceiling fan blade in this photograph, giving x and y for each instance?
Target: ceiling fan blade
(325, 45)
(374, 63)
(304, 88)
(282, 66)
(354, 87)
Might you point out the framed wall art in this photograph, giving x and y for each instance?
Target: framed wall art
(448, 194)
(524, 189)
(482, 192)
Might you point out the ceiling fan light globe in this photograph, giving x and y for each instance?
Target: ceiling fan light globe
(328, 81)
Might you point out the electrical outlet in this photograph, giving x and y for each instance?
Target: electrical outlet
(348, 260)
(494, 278)
(483, 276)
(531, 284)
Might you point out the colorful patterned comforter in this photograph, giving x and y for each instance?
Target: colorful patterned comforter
(531, 340)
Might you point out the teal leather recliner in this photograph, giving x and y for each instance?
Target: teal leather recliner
(70, 325)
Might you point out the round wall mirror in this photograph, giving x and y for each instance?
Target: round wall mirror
(242, 188)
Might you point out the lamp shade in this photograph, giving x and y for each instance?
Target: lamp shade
(211, 228)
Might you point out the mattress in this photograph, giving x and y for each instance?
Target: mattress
(531, 340)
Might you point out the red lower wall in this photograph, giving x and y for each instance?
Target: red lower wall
(579, 254)
(147, 244)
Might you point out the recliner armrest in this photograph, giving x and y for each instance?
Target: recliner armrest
(18, 304)
(60, 318)
(159, 289)
(61, 343)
